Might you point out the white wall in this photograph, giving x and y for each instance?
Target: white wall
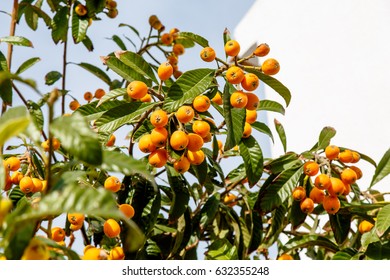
(335, 58)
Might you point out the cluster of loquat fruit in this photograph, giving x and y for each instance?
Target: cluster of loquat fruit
(111, 10)
(337, 173)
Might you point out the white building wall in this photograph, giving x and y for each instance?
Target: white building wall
(335, 58)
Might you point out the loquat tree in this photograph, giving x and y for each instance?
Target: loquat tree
(165, 193)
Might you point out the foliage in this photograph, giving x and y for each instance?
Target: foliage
(183, 197)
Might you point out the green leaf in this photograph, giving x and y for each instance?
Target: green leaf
(5, 83)
(88, 43)
(181, 195)
(92, 111)
(341, 224)
(31, 17)
(221, 249)
(297, 216)
(113, 94)
(270, 105)
(194, 37)
(95, 7)
(138, 65)
(190, 84)
(209, 210)
(131, 27)
(345, 254)
(282, 134)
(378, 251)
(309, 241)
(123, 114)
(79, 28)
(383, 221)
(14, 121)
(16, 41)
(119, 162)
(40, 13)
(27, 64)
(119, 42)
(382, 170)
(234, 119)
(284, 162)
(263, 128)
(276, 189)
(276, 85)
(36, 114)
(59, 25)
(253, 159)
(52, 77)
(327, 133)
(77, 138)
(95, 71)
(123, 70)
(257, 232)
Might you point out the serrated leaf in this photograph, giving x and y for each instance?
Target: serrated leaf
(382, 223)
(276, 85)
(382, 170)
(123, 114)
(92, 111)
(118, 162)
(270, 105)
(27, 64)
(79, 28)
(194, 37)
(190, 84)
(309, 241)
(282, 134)
(14, 121)
(253, 159)
(327, 133)
(378, 251)
(77, 138)
(52, 77)
(59, 25)
(16, 41)
(123, 70)
(276, 189)
(181, 195)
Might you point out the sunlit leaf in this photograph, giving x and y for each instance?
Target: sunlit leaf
(221, 249)
(59, 25)
(52, 77)
(95, 71)
(16, 41)
(270, 105)
(14, 121)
